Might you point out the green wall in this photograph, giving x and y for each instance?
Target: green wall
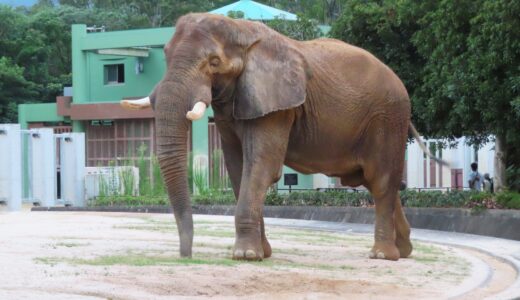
(87, 64)
(42, 112)
(135, 85)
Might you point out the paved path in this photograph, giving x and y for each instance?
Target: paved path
(504, 250)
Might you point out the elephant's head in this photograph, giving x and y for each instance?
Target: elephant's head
(216, 60)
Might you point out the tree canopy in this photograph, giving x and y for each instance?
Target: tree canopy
(458, 59)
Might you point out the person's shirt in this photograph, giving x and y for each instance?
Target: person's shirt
(477, 184)
(488, 186)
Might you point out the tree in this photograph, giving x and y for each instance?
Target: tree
(469, 81)
(14, 89)
(386, 28)
(459, 61)
(302, 29)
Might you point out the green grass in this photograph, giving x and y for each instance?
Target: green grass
(52, 261)
(145, 260)
(214, 232)
(70, 244)
(147, 228)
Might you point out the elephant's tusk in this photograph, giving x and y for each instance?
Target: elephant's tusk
(197, 112)
(136, 104)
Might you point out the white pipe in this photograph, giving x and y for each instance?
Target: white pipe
(136, 104)
(197, 112)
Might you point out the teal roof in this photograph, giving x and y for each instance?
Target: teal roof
(255, 11)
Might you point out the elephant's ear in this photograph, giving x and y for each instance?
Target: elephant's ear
(274, 78)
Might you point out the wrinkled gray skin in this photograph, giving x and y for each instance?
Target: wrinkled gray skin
(319, 106)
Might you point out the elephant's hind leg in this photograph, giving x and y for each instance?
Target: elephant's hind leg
(383, 172)
(402, 230)
(385, 234)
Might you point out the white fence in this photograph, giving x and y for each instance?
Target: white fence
(40, 167)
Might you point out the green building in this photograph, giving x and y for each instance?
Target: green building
(108, 67)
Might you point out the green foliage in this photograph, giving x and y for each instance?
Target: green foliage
(513, 177)
(458, 59)
(481, 201)
(509, 199)
(200, 180)
(453, 198)
(214, 198)
(302, 29)
(14, 89)
(315, 198)
(131, 201)
(236, 14)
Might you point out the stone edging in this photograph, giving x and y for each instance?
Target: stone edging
(494, 222)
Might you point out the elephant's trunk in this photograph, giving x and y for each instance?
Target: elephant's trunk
(172, 128)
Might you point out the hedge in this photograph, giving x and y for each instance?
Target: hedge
(409, 198)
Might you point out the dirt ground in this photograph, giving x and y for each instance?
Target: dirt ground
(45, 255)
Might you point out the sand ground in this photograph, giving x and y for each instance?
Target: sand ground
(46, 255)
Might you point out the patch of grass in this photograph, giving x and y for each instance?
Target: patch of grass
(146, 260)
(426, 259)
(212, 245)
(70, 244)
(426, 249)
(218, 232)
(52, 261)
(146, 227)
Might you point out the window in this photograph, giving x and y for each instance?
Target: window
(115, 74)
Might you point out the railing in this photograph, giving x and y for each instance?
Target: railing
(357, 190)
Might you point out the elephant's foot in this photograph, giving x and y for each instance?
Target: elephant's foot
(404, 245)
(384, 250)
(267, 247)
(249, 243)
(246, 250)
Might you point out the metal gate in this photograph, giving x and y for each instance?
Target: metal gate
(10, 167)
(40, 167)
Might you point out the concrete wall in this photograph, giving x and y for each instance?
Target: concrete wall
(495, 222)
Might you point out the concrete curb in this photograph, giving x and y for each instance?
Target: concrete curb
(493, 222)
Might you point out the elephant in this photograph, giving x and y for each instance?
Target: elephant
(319, 106)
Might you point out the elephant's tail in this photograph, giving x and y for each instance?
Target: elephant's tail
(416, 135)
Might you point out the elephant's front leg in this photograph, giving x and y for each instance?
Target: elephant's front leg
(264, 144)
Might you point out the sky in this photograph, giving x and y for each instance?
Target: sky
(18, 2)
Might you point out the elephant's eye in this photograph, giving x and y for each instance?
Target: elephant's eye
(214, 61)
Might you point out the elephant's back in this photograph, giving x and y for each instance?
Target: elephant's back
(357, 71)
(348, 92)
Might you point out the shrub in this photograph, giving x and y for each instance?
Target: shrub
(130, 201)
(214, 198)
(452, 198)
(509, 199)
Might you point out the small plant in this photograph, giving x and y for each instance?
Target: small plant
(200, 179)
(509, 199)
(479, 202)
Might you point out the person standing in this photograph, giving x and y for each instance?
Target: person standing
(488, 183)
(475, 178)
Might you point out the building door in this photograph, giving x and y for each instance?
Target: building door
(456, 179)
